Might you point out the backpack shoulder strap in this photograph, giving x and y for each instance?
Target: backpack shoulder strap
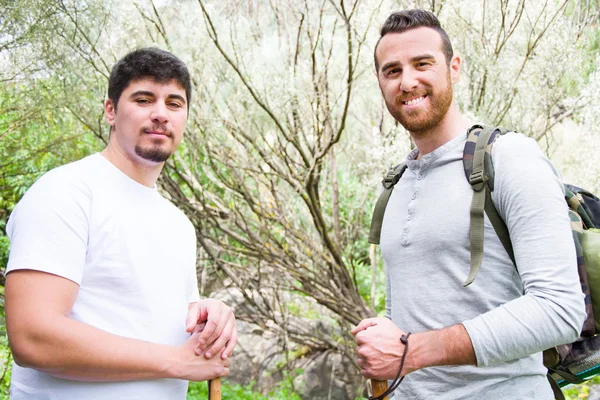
(479, 170)
(390, 179)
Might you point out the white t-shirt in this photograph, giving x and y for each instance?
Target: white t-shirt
(133, 255)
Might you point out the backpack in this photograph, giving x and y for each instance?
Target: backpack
(569, 363)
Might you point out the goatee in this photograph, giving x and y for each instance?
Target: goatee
(154, 154)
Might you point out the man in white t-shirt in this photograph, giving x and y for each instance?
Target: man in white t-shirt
(101, 289)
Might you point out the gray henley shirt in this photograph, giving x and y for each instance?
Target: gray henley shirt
(510, 316)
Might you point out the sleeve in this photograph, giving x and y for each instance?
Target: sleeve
(530, 198)
(48, 229)
(388, 295)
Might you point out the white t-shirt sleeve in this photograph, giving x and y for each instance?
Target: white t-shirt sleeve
(48, 228)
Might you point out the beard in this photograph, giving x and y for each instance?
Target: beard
(418, 122)
(155, 152)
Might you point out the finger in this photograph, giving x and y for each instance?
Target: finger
(228, 352)
(365, 372)
(212, 323)
(192, 317)
(363, 337)
(364, 324)
(221, 340)
(224, 317)
(199, 328)
(362, 352)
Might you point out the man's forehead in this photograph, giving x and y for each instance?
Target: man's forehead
(410, 43)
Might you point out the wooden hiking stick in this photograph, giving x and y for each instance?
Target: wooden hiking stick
(378, 388)
(214, 389)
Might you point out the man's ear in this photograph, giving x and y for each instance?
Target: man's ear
(455, 69)
(109, 112)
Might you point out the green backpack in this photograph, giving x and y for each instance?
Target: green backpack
(568, 363)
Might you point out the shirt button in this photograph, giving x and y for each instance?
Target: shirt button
(419, 177)
(408, 218)
(414, 196)
(405, 243)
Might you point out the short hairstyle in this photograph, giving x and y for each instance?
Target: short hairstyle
(402, 21)
(150, 62)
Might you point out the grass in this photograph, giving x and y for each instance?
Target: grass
(283, 391)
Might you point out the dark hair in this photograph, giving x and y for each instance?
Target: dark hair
(149, 62)
(402, 21)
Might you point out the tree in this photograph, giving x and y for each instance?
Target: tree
(288, 136)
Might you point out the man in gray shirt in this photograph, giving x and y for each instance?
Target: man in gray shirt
(483, 341)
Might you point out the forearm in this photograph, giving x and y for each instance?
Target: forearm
(448, 346)
(70, 349)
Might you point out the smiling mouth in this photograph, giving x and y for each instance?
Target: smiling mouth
(413, 101)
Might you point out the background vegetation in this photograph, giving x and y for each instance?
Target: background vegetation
(288, 136)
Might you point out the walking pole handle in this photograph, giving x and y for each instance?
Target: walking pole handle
(378, 388)
(214, 389)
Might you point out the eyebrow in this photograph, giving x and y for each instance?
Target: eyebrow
(151, 94)
(420, 57)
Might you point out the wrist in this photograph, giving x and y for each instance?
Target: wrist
(170, 365)
(425, 350)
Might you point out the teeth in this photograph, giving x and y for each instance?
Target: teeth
(414, 101)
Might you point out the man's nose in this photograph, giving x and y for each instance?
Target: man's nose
(159, 114)
(408, 81)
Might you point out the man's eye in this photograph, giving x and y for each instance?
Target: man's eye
(393, 71)
(174, 105)
(142, 101)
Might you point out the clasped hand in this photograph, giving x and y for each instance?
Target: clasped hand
(379, 348)
(216, 327)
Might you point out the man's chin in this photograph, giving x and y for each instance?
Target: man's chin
(413, 124)
(155, 154)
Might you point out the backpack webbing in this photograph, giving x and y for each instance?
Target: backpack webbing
(390, 179)
(479, 170)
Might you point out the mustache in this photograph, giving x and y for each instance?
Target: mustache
(157, 128)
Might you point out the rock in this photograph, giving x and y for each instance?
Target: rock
(260, 355)
(329, 376)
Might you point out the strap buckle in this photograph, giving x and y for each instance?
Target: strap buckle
(477, 179)
(391, 178)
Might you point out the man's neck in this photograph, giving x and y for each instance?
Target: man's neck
(143, 173)
(453, 125)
